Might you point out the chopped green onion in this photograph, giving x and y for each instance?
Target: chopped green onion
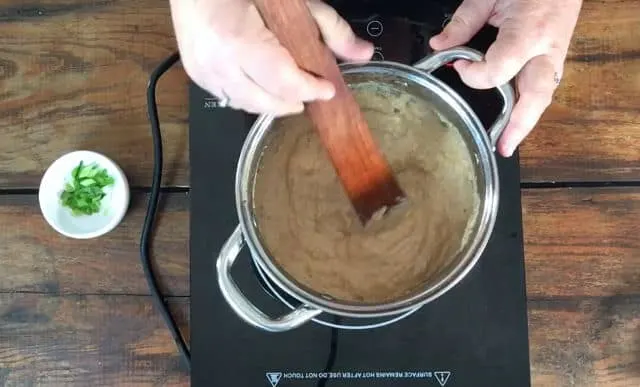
(84, 193)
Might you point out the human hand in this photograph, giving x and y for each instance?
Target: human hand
(227, 50)
(532, 44)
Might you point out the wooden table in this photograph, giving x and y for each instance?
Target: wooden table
(73, 75)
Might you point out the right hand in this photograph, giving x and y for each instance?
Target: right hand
(227, 50)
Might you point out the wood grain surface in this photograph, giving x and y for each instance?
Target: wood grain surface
(36, 259)
(592, 129)
(578, 242)
(111, 340)
(88, 341)
(585, 342)
(583, 281)
(73, 75)
(582, 242)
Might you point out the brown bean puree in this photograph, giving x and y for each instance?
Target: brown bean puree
(310, 229)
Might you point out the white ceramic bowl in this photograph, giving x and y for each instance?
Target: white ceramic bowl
(113, 206)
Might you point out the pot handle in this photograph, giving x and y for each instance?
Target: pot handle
(439, 59)
(239, 303)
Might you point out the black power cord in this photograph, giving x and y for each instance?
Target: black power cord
(333, 353)
(145, 238)
(152, 206)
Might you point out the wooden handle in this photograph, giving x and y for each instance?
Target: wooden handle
(361, 167)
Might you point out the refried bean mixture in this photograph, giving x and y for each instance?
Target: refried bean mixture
(311, 231)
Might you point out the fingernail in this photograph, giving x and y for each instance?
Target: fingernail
(509, 148)
(290, 110)
(439, 37)
(327, 93)
(437, 40)
(364, 48)
(323, 91)
(362, 43)
(509, 152)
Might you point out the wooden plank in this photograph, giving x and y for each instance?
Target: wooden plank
(35, 258)
(592, 130)
(73, 75)
(578, 242)
(88, 341)
(585, 341)
(120, 340)
(582, 242)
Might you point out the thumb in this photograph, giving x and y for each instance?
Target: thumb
(338, 35)
(468, 19)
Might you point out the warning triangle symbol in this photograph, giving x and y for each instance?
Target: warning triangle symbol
(441, 376)
(274, 378)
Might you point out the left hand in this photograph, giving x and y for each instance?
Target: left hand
(532, 44)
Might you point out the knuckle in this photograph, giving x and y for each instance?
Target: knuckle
(546, 99)
(542, 35)
(192, 70)
(287, 75)
(329, 20)
(334, 17)
(498, 74)
(323, 11)
(458, 20)
(339, 27)
(503, 63)
(542, 99)
(287, 83)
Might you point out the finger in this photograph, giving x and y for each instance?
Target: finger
(272, 67)
(513, 48)
(468, 19)
(338, 35)
(536, 85)
(250, 97)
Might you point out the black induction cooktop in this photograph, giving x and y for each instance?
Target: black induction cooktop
(475, 335)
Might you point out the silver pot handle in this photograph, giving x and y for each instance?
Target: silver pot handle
(239, 303)
(439, 59)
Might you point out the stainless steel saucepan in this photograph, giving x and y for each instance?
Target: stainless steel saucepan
(480, 141)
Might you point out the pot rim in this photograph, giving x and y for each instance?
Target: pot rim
(483, 147)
